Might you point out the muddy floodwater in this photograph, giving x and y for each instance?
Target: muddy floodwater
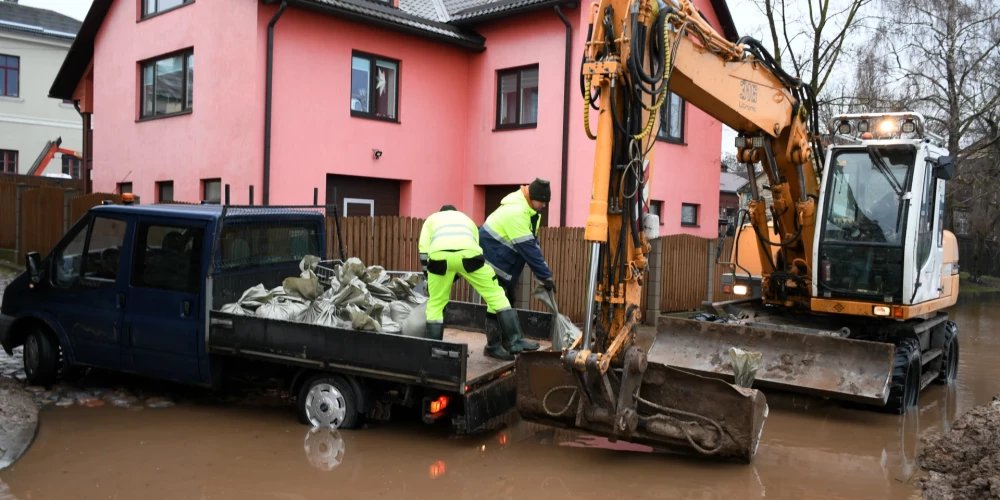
(810, 449)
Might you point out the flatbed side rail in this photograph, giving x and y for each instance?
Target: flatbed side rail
(428, 363)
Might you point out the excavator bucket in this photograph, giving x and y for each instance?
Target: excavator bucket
(819, 364)
(674, 411)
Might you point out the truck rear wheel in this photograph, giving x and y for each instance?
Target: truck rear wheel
(328, 400)
(905, 389)
(41, 357)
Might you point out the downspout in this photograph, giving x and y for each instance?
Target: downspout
(84, 164)
(565, 125)
(265, 195)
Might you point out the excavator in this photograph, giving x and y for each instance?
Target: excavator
(48, 153)
(846, 309)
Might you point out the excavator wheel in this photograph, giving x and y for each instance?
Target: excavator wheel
(905, 389)
(949, 359)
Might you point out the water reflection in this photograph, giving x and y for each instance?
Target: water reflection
(324, 447)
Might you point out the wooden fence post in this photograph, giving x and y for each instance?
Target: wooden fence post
(654, 283)
(18, 244)
(68, 195)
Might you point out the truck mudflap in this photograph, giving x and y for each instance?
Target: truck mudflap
(824, 365)
(669, 409)
(486, 404)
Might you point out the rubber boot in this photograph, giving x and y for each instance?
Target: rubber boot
(494, 339)
(512, 332)
(435, 331)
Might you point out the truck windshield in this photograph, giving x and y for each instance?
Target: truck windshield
(279, 242)
(866, 191)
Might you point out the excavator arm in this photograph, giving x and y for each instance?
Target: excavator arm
(604, 383)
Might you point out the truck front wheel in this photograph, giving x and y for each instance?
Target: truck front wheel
(328, 400)
(41, 357)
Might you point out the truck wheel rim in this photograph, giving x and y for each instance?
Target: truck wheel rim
(325, 406)
(30, 355)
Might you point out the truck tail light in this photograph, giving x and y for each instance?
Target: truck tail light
(740, 289)
(439, 404)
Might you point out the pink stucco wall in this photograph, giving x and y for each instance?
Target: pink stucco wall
(220, 138)
(313, 132)
(444, 148)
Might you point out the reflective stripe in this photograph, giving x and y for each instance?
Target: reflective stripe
(500, 272)
(436, 321)
(453, 233)
(523, 239)
(497, 237)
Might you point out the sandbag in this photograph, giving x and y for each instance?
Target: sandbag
(374, 274)
(351, 269)
(312, 313)
(361, 320)
(308, 266)
(399, 310)
(307, 288)
(354, 293)
(415, 324)
(285, 308)
(330, 317)
(564, 332)
(251, 299)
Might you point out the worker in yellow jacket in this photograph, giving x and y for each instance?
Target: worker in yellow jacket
(449, 247)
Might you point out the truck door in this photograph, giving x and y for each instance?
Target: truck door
(166, 299)
(89, 268)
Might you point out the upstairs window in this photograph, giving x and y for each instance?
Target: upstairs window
(374, 87)
(8, 161)
(168, 85)
(71, 166)
(10, 76)
(165, 191)
(153, 7)
(689, 214)
(517, 97)
(672, 119)
(211, 190)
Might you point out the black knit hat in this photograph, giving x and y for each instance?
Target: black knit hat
(447, 208)
(539, 190)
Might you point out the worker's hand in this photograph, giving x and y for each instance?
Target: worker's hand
(550, 285)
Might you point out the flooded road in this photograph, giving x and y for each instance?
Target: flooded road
(810, 449)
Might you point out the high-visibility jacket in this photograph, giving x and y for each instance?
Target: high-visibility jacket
(449, 230)
(509, 238)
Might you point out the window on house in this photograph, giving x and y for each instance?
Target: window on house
(374, 86)
(150, 7)
(211, 190)
(10, 75)
(124, 187)
(167, 85)
(71, 166)
(517, 97)
(656, 208)
(8, 161)
(689, 214)
(672, 119)
(165, 191)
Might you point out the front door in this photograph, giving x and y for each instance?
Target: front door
(88, 282)
(165, 300)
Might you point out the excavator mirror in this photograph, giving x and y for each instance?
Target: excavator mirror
(945, 168)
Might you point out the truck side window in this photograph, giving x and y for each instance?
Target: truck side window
(168, 257)
(67, 260)
(104, 249)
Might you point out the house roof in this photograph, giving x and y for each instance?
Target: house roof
(35, 21)
(731, 183)
(447, 21)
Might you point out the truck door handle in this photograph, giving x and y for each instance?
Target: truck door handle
(185, 308)
(121, 300)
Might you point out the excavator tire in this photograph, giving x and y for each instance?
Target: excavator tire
(949, 358)
(905, 390)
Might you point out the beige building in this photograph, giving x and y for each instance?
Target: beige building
(33, 44)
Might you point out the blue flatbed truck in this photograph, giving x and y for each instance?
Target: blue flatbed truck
(138, 289)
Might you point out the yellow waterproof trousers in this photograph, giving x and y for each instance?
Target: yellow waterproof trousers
(469, 264)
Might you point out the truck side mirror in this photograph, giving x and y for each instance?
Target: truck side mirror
(34, 264)
(945, 168)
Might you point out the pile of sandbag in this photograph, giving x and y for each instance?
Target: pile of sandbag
(354, 297)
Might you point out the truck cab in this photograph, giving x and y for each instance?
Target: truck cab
(125, 289)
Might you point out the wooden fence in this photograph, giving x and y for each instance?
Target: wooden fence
(42, 218)
(8, 215)
(392, 242)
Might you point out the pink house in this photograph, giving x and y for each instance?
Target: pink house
(387, 107)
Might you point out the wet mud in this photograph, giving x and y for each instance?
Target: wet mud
(964, 463)
(253, 448)
(18, 421)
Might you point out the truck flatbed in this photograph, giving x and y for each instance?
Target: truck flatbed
(479, 365)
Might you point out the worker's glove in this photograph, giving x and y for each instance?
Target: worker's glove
(550, 285)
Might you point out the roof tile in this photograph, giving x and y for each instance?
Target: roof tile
(42, 22)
